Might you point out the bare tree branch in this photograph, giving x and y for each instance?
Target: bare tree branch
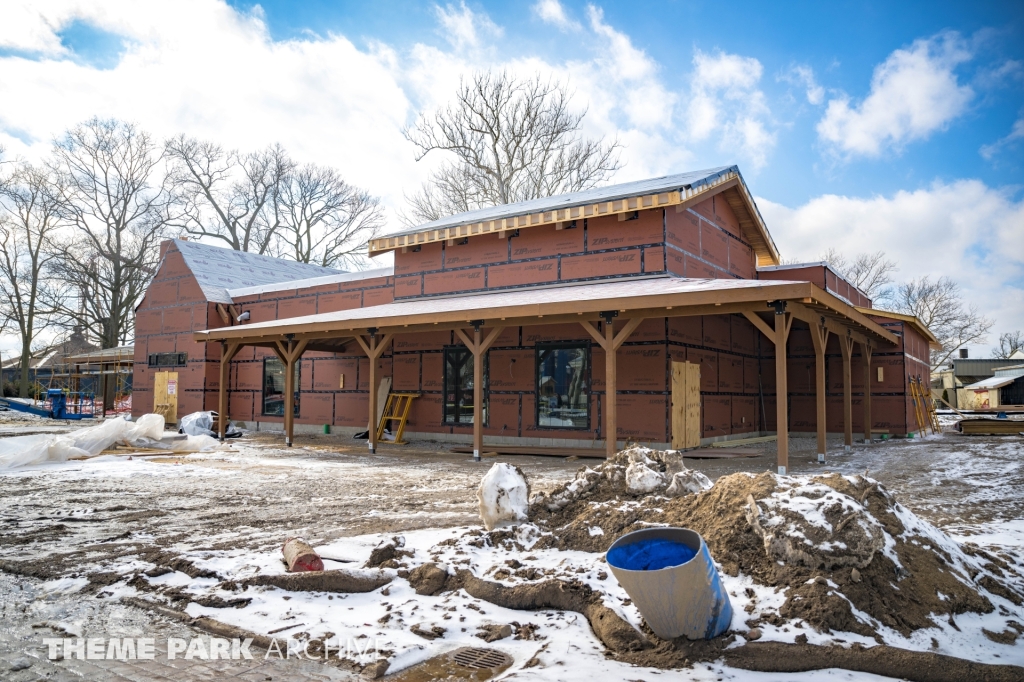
(1009, 343)
(511, 140)
(940, 306)
(227, 195)
(30, 215)
(869, 272)
(327, 221)
(114, 195)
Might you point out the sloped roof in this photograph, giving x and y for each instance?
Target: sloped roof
(386, 271)
(666, 190)
(991, 383)
(218, 269)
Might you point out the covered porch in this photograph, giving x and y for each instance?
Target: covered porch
(609, 313)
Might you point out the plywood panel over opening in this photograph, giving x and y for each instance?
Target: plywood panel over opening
(685, 405)
(165, 395)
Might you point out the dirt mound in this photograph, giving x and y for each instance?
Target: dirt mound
(832, 543)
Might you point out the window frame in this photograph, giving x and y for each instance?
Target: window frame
(486, 412)
(156, 360)
(263, 386)
(586, 346)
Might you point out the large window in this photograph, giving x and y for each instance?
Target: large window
(273, 387)
(563, 381)
(168, 359)
(458, 386)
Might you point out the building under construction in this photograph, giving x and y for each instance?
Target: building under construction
(656, 311)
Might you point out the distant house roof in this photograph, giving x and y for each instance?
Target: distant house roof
(990, 383)
(975, 367)
(218, 269)
(312, 282)
(666, 190)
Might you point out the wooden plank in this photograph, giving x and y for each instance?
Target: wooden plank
(165, 395)
(692, 393)
(678, 406)
(540, 451)
(743, 441)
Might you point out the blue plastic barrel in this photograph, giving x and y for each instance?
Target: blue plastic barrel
(669, 575)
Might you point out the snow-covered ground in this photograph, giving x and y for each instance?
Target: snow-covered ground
(229, 512)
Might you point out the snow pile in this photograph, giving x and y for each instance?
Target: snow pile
(808, 523)
(504, 496)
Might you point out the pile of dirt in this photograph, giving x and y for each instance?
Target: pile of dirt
(832, 543)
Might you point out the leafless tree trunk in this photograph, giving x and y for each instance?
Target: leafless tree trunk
(115, 197)
(227, 195)
(511, 140)
(940, 306)
(869, 272)
(30, 214)
(1009, 343)
(327, 221)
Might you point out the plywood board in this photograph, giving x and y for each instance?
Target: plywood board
(685, 405)
(165, 395)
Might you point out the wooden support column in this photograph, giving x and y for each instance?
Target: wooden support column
(289, 353)
(866, 350)
(819, 335)
(783, 322)
(478, 347)
(227, 354)
(373, 348)
(610, 343)
(846, 345)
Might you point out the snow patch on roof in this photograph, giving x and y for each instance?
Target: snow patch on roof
(217, 269)
(312, 282)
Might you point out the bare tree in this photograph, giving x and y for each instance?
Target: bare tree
(114, 196)
(30, 214)
(227, 195)
(512, 140)
(1009, 343)
(869, 272)
(940, 306)
(326, 221)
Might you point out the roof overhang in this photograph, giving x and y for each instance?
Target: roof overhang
(729, 183)
(917, 324)
(647, 298)
(991, 383)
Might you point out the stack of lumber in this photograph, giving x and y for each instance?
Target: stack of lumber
(991, 427)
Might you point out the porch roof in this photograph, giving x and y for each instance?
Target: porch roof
(644, 298)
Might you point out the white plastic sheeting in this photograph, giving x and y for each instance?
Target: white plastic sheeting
(146, 432)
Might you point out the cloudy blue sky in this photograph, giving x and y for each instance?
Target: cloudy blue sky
(863, 126)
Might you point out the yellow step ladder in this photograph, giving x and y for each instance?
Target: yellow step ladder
(396, 409)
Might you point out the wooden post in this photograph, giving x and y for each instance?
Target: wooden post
(610, 343)
(846, 345)
(227, 353)
(866, 350)
(783, 320)
(819, 335)
(611, 395)
(289, 353)
(373, 349)
(478, 347)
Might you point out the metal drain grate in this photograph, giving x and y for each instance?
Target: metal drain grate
(481, 658)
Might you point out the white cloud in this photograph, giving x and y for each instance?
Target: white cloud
(464, 28)
(803, 76)
(725, 102)
(914, 93)
(964, 230)
(1016, 133)
(552, 12)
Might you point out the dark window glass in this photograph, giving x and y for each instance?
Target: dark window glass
(273, 387)
(458, 386)
(167, 359)
(563, 386)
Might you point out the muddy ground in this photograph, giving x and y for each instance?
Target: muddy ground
(77, 519)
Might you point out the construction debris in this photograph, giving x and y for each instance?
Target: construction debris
(299, 556)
